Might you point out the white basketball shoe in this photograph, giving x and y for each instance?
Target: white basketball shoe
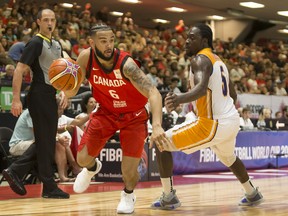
(126, 204)
(83, 179)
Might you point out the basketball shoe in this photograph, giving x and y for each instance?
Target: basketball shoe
(252, 200)
(126, 204)
(167, 202)
(83, 179)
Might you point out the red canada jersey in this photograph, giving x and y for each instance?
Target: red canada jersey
(111, 89)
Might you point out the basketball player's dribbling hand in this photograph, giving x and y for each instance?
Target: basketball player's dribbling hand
(159, 137)
(16, 107)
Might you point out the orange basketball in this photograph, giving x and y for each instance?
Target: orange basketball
(64, 74)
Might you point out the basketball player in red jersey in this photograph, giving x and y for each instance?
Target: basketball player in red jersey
(122, 91)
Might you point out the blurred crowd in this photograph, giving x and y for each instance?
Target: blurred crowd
(256, 68)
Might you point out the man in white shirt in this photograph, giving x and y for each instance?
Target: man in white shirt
(245, 121)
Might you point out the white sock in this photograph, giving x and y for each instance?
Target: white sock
(167, 184)
(248, 187)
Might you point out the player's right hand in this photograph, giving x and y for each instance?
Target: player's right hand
(170, 103)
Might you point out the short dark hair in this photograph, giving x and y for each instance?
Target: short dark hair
(99, 27)
(246, 109)
(205, 32)
(85, 101)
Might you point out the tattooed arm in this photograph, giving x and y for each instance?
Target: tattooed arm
(143, 84)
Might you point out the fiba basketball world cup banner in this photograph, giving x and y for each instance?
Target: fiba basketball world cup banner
(257, 150)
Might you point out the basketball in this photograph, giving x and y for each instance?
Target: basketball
(64, 74)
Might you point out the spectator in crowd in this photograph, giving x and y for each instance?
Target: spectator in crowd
(65, 43)
(166, 86)
(88, 104)
(63, 155)
(22, 143)
(245, 121)
(16, 50)
(264, 113)
(103, 15)
(173, 49)
(180, 27)
(5, 44)
(252, 84)
(4, 59)
(77, 48)
(174, 84)
(278, 115)
(8, 77)
(285, 112)
(152, 75)
(10, 36)
(279, 89)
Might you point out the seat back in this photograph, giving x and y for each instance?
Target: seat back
(5, 136)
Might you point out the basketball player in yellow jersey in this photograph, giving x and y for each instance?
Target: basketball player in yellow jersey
(217, 121)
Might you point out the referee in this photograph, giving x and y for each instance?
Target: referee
(37, 56)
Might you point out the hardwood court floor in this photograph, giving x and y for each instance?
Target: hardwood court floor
(214, 194)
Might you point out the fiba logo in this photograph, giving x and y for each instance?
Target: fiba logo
(111, 155)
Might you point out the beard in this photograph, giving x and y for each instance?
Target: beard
(102, 56)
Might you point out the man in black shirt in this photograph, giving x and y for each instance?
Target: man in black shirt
(37, 57)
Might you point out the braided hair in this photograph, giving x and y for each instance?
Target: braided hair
(205, 32)
(99, 27)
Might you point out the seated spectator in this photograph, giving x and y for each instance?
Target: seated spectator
(174, 84)
(8, 77)
(103, 15)
(22, 144)
(252, 84)
(65, 43)
(88, 104)
(264, 113)
(180, 27)
(153, 75)
(285, 112)
(245, 121)
(10, 36)
(77, 48)
(122, 46)
(15, 51)
(236, 72)
(165, 87)
(279, 89)
(278, 115)
(173, 49)
(63, 153)
(4, 59)
(23, 135)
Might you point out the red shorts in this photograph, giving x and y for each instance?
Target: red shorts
(103, 124)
